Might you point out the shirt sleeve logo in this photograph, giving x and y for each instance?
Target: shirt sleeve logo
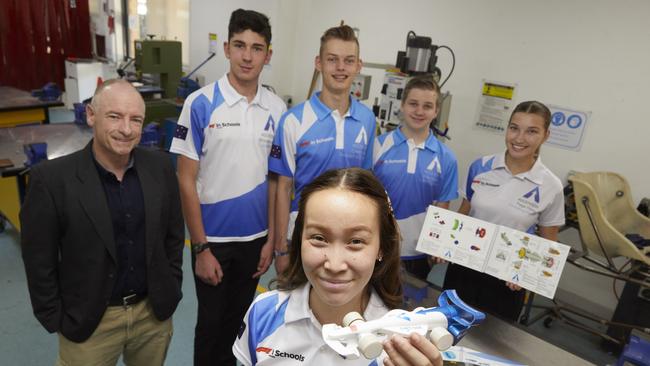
(181, 132)
(276, 151)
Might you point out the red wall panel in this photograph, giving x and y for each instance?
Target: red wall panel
(36, 36)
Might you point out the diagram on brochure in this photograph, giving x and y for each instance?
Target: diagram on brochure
(457, 355)
(527, 260)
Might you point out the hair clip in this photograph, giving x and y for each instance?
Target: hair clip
(390, 206)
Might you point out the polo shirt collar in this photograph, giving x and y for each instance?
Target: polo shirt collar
(535, 174)
(431, 143)
(232, 97)
(298, 306)
(499, 161)
(322, 111)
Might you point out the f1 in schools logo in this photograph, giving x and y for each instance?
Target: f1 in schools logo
(273, 353)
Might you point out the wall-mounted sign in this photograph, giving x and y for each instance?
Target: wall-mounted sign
(213, 45)
(567, 127)
(495, 106)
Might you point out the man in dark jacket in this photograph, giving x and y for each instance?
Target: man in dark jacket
(102, 240)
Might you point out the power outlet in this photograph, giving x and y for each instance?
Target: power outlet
(361, 87)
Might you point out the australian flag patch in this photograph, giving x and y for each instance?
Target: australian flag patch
(181, 132)
(276, 151)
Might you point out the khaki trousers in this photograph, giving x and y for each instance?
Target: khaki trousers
(132, 331)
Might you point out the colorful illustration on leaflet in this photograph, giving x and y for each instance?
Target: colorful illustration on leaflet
(517, 264)
(548, 261)
(505, 239)
(458, 225)
(453, 237)
(547, 274)
(501, 256)
(436, 216)
(554, 251)
(480, 232)
(524, 253)
(475, 248)
(525, 240)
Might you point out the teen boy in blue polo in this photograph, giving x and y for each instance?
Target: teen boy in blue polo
(224, 137)
(331, 130)
(416, 169)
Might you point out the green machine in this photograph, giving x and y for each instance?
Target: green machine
(163, 60)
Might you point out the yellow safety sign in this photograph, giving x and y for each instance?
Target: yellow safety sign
(499, 91)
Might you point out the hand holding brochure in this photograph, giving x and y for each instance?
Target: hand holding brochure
(527, 260)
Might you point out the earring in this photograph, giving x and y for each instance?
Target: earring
(380, 258)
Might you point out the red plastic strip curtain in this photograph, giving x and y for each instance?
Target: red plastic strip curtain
(36, 36)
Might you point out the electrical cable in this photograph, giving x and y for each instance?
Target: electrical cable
(408, 35)
(453, 63)
(618, 298)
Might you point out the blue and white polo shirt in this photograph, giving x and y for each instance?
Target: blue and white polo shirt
(231, 139)
(519, 201)
(312, 139)
(280, 329)
(415, 176)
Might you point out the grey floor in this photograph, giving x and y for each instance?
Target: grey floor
(24, 342)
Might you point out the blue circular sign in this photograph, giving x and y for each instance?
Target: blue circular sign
(557, 118)
(574, 121)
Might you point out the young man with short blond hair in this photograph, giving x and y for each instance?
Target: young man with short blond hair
(331, 130)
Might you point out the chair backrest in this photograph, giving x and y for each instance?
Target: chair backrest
(612, 214)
